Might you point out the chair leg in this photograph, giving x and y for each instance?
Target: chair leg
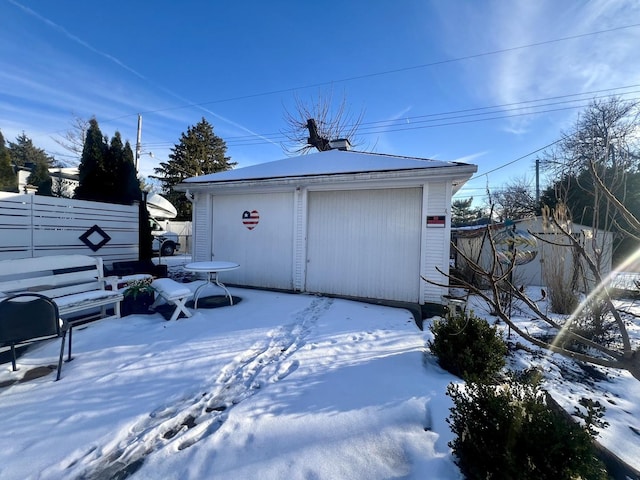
(183, 307)
(61, 356)
(176, 312)
(180, 308)
(13, 357)
(69, 358)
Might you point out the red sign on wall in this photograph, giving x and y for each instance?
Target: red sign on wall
(250, 219)
(436, 221)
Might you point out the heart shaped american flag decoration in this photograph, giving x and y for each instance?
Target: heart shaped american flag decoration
(250, 219)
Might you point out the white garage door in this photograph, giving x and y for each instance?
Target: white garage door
(256, 231)
(365, 243)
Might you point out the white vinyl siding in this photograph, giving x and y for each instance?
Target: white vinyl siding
(300, 239)
(365, 243)
(437, 242)
(202, 228)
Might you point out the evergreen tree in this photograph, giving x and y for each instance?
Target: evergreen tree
(577, 191)
(107, 171)
(41, 179)
(25, 154)
(113, 165)
(132, 190)
(462, 213)
(121, 172)
(8, 178)
(199, 152)
(92, 172)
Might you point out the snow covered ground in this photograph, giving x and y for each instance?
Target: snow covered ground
(277, 386)
(568, 382)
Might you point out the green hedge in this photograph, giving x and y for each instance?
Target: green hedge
(509, 432)
(468, 347)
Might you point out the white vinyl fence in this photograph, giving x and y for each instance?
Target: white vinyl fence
(36, 226)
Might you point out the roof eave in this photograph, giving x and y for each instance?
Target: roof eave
(459, 174)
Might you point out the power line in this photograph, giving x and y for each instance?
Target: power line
(516, 160)
(523, 102)
(255, 140)
(248, 140)
(397, 70)
(384, 126)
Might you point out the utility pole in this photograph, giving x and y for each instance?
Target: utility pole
(138, 138)
(537, 181)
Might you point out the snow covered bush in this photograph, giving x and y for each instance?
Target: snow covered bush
(508, 431)
(468, 346)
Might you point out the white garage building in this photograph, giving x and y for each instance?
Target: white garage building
(338, 222)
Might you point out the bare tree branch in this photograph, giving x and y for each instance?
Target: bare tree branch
(74, 138)
(499, 285)
(332, 123)
(633, 222)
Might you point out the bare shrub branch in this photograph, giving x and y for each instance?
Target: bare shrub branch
(333, 120)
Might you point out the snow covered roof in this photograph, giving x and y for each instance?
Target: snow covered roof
(332, 162)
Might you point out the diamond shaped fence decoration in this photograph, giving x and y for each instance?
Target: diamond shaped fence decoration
(95, 231)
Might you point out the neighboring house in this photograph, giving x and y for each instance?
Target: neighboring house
(338, 222)
(549, 259)
(63, 180)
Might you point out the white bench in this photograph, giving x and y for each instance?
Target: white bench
(76, 284)
(173, 292)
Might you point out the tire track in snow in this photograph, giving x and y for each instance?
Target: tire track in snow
(193, 418)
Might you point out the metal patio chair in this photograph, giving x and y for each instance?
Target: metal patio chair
(28, 318)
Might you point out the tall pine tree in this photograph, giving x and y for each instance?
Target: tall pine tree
(25, 154)
(92, 171)
(121, 172)
(131, 185)
(107, 171)
(199, 152)
(8, 178)
(463, 213)
(41, 179)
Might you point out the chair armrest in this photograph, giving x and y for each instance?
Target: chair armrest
(111, 281)
(65, 326)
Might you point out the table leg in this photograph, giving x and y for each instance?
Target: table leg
(196, 294)
(221, 285)
(212, 278)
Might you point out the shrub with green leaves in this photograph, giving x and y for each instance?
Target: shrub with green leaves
(509, 432)
(468, 346)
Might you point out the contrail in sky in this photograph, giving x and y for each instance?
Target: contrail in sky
(129, 69)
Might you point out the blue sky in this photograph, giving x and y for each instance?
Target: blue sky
(422, 72)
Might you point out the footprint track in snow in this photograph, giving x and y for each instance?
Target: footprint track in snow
(193, 418)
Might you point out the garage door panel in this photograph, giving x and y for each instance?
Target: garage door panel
(365, 243)
(263, 247)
